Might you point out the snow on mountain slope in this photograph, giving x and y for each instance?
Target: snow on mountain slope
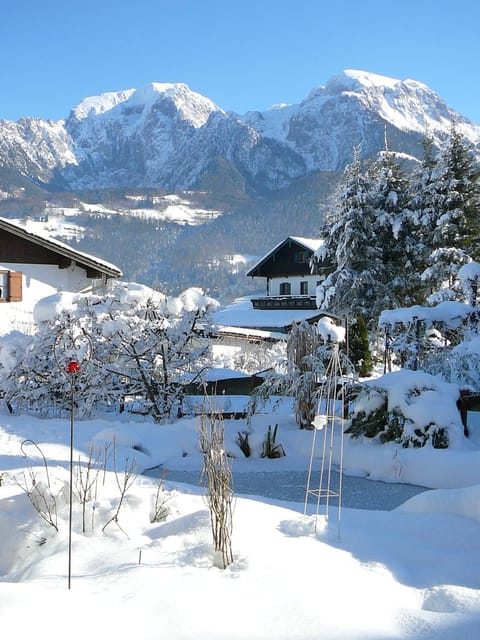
(95, 105)
(35, 147)
(138, 137)
(353, 109)
(191, 106)
(60, 222)
(409, 105)
(166, 135)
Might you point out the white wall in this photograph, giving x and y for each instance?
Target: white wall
(295, 284)
(38, 281)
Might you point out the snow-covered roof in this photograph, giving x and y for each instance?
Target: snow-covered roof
(60, 248)
(311, 244)
(248, 333)
(242, 314)
(449, 312)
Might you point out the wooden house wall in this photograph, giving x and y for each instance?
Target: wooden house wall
(285, 262)
(18, 250)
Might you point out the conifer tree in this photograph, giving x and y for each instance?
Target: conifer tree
(359, 348)
(371, 242)
(458, 198)
(352, 247)
(422, 190)
(447, 201)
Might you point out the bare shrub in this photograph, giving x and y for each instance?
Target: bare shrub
(160, 509)
(43, 499)
(218, 476)
(87, 479)
(124, 481)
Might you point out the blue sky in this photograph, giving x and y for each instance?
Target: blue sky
(243, 55)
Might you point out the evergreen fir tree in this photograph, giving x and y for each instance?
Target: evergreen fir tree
(458, 198)
(372, 241)
(395, 235)
(449, 198)
(352, 246)
(422, 195)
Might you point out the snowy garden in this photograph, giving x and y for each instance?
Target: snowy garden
(127, 501)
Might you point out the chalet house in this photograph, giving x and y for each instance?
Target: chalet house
(289, 278)
(33, 266)
(290, 297)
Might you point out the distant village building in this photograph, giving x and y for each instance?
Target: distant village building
(33, 266)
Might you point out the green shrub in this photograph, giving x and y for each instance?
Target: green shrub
(271, 448)
(376, 420)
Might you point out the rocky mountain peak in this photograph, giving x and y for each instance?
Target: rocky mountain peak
(187, 104)
(166, 135)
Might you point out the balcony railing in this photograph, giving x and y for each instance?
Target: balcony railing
(285, 302)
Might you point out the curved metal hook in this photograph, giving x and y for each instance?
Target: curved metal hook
(30, 441)
(69, 348)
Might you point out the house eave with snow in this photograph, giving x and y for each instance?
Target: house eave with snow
(33, 266)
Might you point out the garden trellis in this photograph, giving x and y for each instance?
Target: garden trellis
(330, 420)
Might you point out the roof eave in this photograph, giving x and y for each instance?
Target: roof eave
(79, 258)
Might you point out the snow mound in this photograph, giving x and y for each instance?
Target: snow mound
(451, 599)
(48, 308)
(463, 502)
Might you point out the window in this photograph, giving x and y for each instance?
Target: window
(4, 286)
(304, 288)
(285, 288)
(10, 286)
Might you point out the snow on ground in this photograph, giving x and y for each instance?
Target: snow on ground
(410, 572)
(170, 208)
(58, 224)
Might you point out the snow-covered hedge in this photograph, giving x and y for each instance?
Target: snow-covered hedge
(411, 408)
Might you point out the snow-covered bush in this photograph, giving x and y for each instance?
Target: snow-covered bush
(410, 408)
(459, 365)
(418, 335)
(144, 346)
(302, 373)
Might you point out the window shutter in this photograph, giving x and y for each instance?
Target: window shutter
(15, 286)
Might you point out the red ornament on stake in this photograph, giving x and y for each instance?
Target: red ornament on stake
(72, 367)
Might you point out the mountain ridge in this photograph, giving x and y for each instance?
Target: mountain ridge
(164, 135)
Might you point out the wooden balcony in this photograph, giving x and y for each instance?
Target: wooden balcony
(285, 302)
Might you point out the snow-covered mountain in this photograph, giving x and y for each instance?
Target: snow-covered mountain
(166, 135)
(357, 108)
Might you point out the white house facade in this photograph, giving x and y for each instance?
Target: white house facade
(290, 281)
(33, 267)
(257, 322)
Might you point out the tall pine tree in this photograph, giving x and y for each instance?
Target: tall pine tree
(351, 246)
(370, 241)
(449, 204)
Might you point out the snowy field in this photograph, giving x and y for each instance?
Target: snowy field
(410, 572)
